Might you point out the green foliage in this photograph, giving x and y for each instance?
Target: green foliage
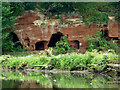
(17, 8)
(31, 76)
(8, 21)
(99, 42)
(117, 16)
(71, 61)
(29, 5)
(61, 80)
(91, 12)
(103, 18)
(29, 59)
(115, 11)
(55, 8)
(62, 46)
(81, 81)
(102, 64)
(9, 45)
(9, 12)
(62, 61)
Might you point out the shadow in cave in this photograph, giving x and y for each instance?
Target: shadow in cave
(76, 44)
(40, 45)
(15, 40)
(54, 38)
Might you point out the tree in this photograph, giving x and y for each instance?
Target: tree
(8, 22)
(92, 12)
(10, 11)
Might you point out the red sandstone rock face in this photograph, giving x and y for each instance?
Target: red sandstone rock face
(35, 32)
(113, 27)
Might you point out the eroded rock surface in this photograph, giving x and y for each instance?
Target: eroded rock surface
(36, 31)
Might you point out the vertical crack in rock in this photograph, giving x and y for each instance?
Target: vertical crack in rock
(52, 29)
(41, 26)
(59, 28)
(41, 30)
(21, 35)
(46, 30)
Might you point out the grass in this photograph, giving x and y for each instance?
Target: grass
(61, 61)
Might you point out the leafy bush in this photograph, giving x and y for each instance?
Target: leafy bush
(103, 18)
(9, 12)
(62, 46)
(99, 42)
(8, 23)
(63, 61)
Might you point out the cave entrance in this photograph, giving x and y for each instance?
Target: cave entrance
(40, 45)
(54, 38)
(105, 34)
(75, 44)
(15, 39)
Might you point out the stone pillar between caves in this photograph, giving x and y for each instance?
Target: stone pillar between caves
(46, 45)
(32, 47)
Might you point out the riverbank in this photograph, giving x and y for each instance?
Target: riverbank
(94, 60)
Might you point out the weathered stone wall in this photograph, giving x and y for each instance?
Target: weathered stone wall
(34, 27)
(113, 27)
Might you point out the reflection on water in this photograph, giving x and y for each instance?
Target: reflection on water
(59, 80)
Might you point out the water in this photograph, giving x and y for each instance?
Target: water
(57, 80)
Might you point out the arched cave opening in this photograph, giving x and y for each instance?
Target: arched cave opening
(54, 38)
(39, 45)
(105, 25)
(76, 44)
(16, 40)
(104, 33)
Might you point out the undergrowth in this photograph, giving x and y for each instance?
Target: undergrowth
(61, 61)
